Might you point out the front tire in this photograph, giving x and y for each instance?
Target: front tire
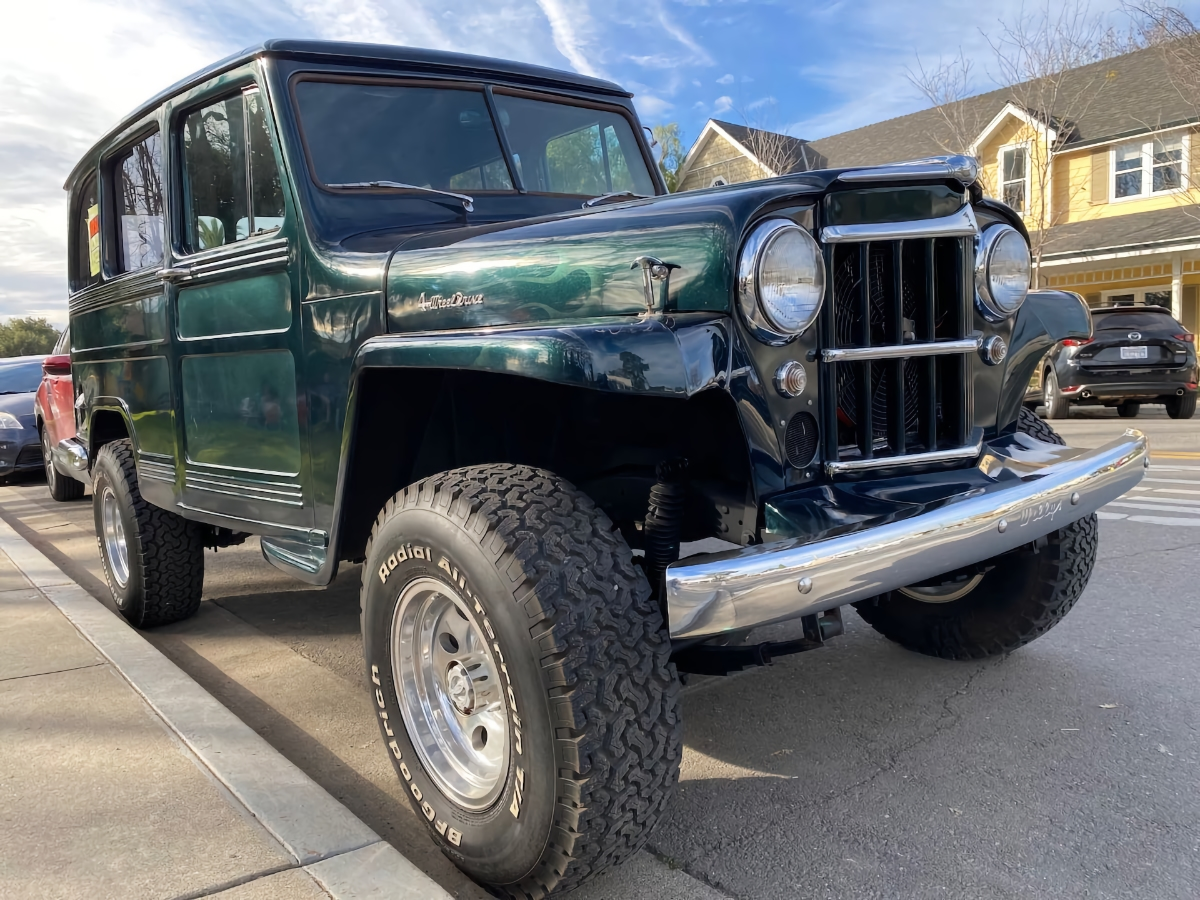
(500, 605)
(62, 488)
(153, 559)
(1011, 600)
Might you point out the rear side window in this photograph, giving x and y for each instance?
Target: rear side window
(231, 182)
(139, 202)
(1145, 320)
(86, 270)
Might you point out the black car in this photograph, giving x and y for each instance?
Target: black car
(1136, 355)
(20, 446)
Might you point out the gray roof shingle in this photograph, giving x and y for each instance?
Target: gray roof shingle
(1179, 224)
(1102, 101)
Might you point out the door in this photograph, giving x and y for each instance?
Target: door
(235, 317)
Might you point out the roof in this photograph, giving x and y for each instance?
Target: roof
(1160, 228)
(1133, 94)
(795, 148)
(434, 62)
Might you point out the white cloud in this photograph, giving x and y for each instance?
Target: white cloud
(762, 102)
(651, 108)
(569, 23)
(722, 104)
(725, 79)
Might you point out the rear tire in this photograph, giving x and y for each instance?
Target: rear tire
(581, 752)
(1128, 409)
(1057, 406)
(63, 488)
(1023, 594)
(1182, 407)
(153, 559)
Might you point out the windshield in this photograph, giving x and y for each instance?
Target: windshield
(20, 376)
(444, 138)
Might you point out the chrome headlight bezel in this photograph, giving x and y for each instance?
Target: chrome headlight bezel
(755, 249)
(994, 306)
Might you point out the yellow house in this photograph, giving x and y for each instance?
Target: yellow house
(1108, 183)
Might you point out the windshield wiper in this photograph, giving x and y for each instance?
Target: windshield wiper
(612, 198)
(468, 203)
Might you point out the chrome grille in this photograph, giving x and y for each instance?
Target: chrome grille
(896, 337)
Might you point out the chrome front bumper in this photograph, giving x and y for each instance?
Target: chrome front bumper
(1030, 488)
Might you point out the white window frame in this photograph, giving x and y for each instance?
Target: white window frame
(1139, 293)
(1148, 167)
(1027, 146)
(719, 181)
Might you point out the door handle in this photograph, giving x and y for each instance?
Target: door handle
(175, 275)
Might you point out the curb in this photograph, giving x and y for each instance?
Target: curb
(332, 845)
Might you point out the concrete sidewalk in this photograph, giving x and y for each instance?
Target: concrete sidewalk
(120, 777)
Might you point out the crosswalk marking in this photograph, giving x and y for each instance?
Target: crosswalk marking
(1152, 496)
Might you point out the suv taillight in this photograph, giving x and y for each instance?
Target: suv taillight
(1186, 338)
(1071, 342)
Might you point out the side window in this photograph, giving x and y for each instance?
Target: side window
(139, 202)
(231, 183)
(87, 236)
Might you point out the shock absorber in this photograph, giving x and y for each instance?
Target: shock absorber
(664, 518)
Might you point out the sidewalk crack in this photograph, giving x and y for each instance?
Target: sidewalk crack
(54, 671)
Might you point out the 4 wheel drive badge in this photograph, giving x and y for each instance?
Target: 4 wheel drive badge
(437, 301)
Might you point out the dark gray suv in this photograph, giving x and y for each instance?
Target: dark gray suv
(1136, 355)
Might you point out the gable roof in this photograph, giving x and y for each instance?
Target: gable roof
(796, 149)
(1133, 94)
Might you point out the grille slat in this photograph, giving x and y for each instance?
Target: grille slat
(885, 295)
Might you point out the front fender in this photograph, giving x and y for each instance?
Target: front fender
(669, 356)
(1045, 318)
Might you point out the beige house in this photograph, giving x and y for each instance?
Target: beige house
(1109, 189)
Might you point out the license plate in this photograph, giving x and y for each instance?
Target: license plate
(1133, 353)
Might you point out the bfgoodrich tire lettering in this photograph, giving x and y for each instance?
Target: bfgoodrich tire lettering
(162, 578)
(1023, 595)
(589, 691)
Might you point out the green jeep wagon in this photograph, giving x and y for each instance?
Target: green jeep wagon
(437, 315)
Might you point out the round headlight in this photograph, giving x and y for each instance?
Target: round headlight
(1002, 271)
(781, 280)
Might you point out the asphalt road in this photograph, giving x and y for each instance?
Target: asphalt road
(1068, 769)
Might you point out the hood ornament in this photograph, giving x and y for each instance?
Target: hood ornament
(656, 281)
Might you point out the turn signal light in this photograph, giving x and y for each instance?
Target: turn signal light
(1071, 342)
(1186, 338)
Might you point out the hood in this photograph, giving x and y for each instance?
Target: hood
(582, 264)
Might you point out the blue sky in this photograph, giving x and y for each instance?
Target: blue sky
(70, 68)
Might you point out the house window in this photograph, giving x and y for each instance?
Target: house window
(1014, 175)
(1149, 167)
(719, 181)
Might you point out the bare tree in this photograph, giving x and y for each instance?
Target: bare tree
(946, 86)
(776, 152)
(1038, 57)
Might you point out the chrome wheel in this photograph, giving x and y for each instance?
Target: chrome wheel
(448, 685)
(116, 548)
(943, 593)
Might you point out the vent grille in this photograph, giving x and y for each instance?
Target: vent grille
(800, 439)
(886, 294)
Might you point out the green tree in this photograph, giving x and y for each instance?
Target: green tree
(670, 152)
(27, 337)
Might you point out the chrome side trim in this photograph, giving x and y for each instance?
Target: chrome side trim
(257, 255)
(897, 351)
(962, 168)
(1032, 488)
(156, 471)
(910, 459)
(959, 224)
